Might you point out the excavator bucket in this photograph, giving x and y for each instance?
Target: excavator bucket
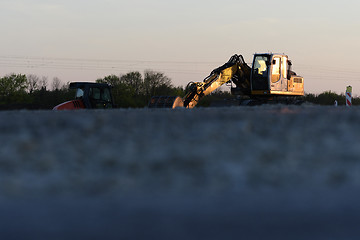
(166, 102)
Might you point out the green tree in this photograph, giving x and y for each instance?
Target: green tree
(132, 90)
(112, 80)
(327, 98)
(13, 88)
(123, 94)
(133, 80)
(156, 83)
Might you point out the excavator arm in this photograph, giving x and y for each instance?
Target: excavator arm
(235, 70)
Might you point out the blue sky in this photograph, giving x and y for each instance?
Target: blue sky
(83, 40)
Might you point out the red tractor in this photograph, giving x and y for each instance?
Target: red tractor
(88, 96)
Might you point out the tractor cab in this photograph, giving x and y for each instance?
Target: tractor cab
(89, 96)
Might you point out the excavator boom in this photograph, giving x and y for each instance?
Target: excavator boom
(216, 79)
(233, 70)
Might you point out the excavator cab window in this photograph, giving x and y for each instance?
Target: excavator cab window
(260, 72)
(275, 76)
(261, 67)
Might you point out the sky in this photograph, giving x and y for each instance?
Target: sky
(82, 40)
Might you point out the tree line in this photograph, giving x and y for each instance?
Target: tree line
(130, 90)
(19, 91)
(329, 98)
(135, 90)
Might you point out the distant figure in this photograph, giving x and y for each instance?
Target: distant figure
(335, 103)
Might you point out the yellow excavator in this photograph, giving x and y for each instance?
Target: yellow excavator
(269, 80)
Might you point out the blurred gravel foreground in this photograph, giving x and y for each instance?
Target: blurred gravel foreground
(267, 172)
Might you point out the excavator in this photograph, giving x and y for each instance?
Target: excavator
(269, 80)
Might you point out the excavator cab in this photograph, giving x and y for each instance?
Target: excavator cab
(271, 75)
(88, 95)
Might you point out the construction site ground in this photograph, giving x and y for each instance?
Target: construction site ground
(263, 172)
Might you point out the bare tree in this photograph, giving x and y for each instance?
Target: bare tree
(65, 86)
(43, 83)
(33, 82)
(56, 84)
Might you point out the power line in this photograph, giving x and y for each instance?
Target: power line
(102, 65)
(107, 61)
(174, 67)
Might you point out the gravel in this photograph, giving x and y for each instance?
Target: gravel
(274, 172)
